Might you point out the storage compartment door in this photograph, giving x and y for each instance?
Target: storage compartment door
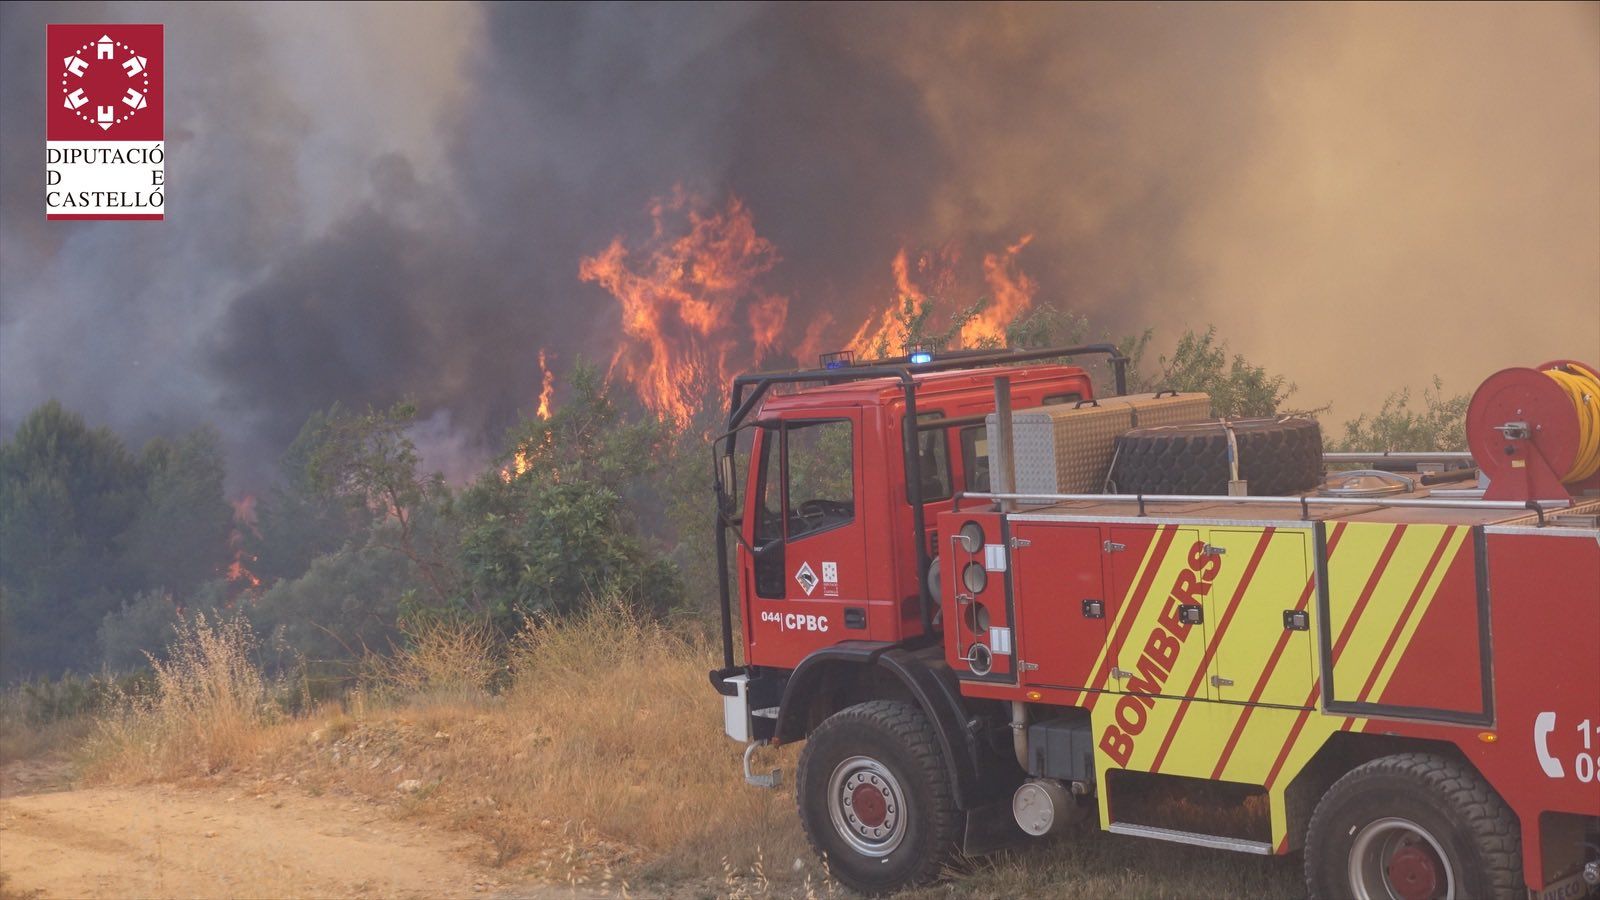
(1060, 602)
(1156, 650)
(1261, 603)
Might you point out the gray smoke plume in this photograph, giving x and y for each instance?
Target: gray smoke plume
(374, 202)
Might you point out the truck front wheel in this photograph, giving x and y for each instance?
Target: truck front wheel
(875, 797)
(1413, 826)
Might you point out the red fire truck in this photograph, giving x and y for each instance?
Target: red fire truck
(992, 601)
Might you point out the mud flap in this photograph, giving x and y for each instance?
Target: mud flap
(990, 828)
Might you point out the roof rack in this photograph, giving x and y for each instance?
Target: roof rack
(1304, 502)
(740, 407)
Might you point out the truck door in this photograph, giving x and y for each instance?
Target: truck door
(806, 579)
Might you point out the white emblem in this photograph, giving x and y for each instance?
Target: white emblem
(106, 115)
(806, 578)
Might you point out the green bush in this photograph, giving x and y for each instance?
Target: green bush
(141, 628)
(42, 700)
(1439, 426)
(1201, 363)
(346, 605)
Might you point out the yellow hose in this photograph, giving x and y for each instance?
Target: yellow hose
(1583, 388)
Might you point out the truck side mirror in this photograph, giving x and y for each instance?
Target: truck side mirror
(727, 485)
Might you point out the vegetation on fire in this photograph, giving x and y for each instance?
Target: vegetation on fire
(362, 595)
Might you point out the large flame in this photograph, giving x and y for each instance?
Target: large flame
(689, 301)
(885, 333)
(693, 313)
(929, 287)
(1010, 295)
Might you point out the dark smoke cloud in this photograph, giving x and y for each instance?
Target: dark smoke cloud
(375, 202)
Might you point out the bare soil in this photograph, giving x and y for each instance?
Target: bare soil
(165, 841)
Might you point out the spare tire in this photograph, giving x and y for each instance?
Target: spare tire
(1277, 456)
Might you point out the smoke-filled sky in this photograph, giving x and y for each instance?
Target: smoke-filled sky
(367, 202)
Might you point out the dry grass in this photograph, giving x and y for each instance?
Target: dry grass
(1088, 864)
(208, 709)
(51, 718)
(444, 663)
(620, 726)
(600, 761)
(602, 751)
(21, 740)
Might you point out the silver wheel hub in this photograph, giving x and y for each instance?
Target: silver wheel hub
(867, 806)
(1397, 859)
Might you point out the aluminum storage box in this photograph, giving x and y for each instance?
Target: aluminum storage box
(1166, 409)
(1066, 448)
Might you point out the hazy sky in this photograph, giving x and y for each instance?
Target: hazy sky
(366, 202)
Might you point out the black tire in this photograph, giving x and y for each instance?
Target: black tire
(900, 739)
(1453, 825)
(1277, 456)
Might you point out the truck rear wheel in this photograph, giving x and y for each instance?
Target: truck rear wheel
(1413, 827)
(875, 797)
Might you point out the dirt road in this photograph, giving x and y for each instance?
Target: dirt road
(171, 842)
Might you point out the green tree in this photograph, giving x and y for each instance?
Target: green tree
(552, 527)
(1044, 326)
(68, 495)
(368, 461)
(143, 625)
(345, 604)
(180, 537)
(296, 522)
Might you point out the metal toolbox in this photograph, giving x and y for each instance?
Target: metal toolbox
(1066, 449)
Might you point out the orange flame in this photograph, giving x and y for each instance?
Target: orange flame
(692, 311)
(1010, 295)
(520, 464)
(244, 519)
(548, 391)
(681, 294)
(891, 333)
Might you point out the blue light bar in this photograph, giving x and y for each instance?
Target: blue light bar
(921, 357)
(839, 359)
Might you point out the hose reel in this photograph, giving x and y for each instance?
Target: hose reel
(1536, 432)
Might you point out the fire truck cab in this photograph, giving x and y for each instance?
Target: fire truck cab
(1393, 672)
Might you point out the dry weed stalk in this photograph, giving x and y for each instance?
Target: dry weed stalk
(444, 662)
(208, 708)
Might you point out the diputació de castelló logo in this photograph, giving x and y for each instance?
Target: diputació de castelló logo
(105, 152)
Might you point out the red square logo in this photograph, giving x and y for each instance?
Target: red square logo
(104, 83)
